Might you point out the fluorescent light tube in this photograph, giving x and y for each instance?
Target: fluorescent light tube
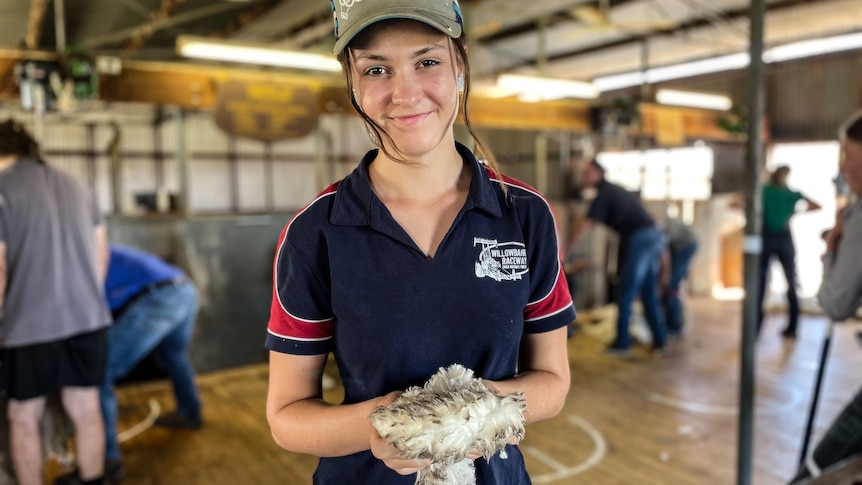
(692, 99)
(795, 50)
(676, 71)
(696, 68)
(545, 88)
(814, 47)
(619, 81)
(201, 48)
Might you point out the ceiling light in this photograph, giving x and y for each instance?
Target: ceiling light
(202, 48)
(696, 68)
(693, 100)
(545, 88)
(676, 71)
(795, 50)
(619, 81)
(808, 48)
(488, 90)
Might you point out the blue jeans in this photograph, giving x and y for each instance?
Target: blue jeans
(780, 245)
(680, 260)
(160, 321)
(841, 441)
(639, 276)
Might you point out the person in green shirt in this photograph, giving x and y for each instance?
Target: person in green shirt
(779, 206)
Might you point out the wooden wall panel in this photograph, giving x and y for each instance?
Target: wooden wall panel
(195, 87)
(696, 123)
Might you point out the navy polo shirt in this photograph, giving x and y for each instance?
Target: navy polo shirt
(349, 280)
(619, 209)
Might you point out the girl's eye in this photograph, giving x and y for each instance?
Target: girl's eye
(429, 62)
(374, 71)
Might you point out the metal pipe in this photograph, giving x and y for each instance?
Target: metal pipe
(233, 174)
(115, 157)
(542, 162)
(815, 399)
(751, 246)
(60, 25)
(269, 176)
(182, 160)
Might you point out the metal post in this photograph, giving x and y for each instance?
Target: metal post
(60, 25)
(542, 162)
(751, 246)
(815, 399)
(233, 174)
(182, 160)
(115, 157)
(322, 145)
(646, 88)
(91, 160)
(269, 176)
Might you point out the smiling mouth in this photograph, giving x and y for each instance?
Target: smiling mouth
(411, 119)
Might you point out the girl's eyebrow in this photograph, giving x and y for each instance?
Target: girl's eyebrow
(382, 57)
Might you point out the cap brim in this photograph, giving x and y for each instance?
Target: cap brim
(445, 25)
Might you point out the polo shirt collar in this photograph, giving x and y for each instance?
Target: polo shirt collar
(356, 205)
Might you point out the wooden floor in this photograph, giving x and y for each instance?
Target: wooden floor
(643, 421)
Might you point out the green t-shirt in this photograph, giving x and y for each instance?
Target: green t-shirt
(779, 205)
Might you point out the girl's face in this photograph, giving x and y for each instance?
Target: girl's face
(405, 80)
(851, 164)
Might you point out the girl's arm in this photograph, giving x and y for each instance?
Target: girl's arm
(543, 374)
(301, 421)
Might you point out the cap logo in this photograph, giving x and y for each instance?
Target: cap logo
(344, 7)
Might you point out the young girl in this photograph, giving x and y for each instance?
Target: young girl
(419, 259)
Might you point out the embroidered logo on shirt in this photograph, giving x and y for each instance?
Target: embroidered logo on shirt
(501, 261)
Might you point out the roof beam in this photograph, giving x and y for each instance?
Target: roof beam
(164, 12)
(283, 19)
(160, 24)
(694, 23)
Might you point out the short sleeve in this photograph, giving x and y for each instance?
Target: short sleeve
(550, 304)
(300, 316)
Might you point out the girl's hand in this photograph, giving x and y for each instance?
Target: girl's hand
(388, 453)
(477, 453)
(392, 458)
(513, 440)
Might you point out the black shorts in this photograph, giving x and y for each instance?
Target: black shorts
(42, 369)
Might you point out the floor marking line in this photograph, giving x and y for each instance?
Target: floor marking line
(547, 460)
(600, 449)
(700, 408)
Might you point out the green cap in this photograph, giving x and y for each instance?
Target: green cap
(351, 16)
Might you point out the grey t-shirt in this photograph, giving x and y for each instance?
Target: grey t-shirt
(53, 289)
(840, 293)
